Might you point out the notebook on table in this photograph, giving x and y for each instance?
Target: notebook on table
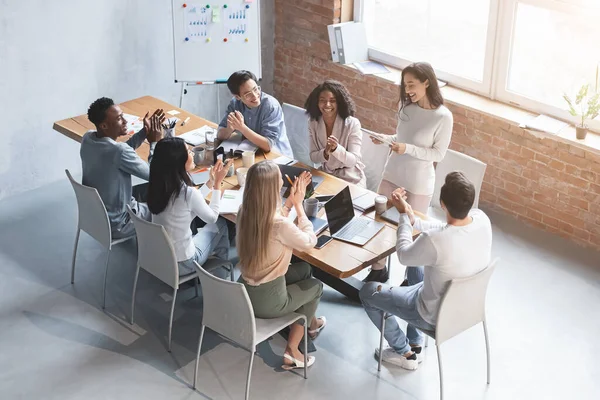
(237, 146)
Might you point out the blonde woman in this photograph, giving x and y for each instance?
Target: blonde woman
(265, 241)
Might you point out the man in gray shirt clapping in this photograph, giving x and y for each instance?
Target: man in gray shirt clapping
(108, 165)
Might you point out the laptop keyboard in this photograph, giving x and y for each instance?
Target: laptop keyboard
(351, 229)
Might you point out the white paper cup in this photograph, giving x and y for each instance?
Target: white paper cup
(380, 204)
(248, 158)
(241, 175)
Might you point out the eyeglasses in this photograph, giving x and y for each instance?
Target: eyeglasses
(252, 93)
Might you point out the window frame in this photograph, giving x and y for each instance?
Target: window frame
(501, 25)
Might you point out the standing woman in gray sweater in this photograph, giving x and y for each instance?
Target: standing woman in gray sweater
(422, 137)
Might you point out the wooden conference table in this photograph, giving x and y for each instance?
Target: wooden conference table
(335, 263)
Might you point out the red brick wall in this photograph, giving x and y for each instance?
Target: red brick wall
(541, 181)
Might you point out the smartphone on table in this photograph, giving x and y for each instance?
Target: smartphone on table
(322, 241)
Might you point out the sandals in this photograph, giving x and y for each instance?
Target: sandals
(314, 333)
(297, 363)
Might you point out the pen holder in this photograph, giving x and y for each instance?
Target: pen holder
(167, 133)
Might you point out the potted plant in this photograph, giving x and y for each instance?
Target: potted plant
(586, 106)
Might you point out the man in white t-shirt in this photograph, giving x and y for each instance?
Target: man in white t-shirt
(456, 249)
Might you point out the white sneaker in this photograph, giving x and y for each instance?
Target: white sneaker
(390, 356)
(418, 350)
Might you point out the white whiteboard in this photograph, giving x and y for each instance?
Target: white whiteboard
(214, 38)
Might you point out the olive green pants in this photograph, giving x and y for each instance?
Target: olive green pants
(296, 291)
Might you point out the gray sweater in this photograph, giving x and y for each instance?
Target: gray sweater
(107, 166)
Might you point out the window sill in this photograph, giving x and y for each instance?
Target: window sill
(510, 114)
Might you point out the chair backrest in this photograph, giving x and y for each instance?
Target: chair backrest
(463, 304)
(473, 169)
(296, 125)
(227, 309)
(155, 251)
(93, 218)
(374, 157)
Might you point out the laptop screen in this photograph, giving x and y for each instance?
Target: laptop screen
(339, 210)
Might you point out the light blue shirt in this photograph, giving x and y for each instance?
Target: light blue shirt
(107, 166)
(266, 120)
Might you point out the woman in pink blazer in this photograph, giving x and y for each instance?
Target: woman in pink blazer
(335, 135)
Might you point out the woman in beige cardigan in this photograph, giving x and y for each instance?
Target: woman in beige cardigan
(335, 135)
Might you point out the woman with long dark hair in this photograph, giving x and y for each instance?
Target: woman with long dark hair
(335, 135)
(422, 137)
(174, 202)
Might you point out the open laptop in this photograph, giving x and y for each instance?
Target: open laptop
(344, 226)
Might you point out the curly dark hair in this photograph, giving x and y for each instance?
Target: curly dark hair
(345, 104)
(97, 111)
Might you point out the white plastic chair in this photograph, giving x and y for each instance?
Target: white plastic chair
(227, 310)
(296, 125)
(473, 169)
(92, 219)
(157, 256)
(462, 307)
(374, 157)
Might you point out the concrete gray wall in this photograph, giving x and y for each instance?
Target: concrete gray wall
(56, 57)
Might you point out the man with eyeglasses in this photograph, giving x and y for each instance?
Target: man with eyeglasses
(256, 115)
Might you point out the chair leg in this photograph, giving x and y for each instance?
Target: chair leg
(198, 354)
(105, 276)
(249, 375)
(487, 351)
(426, 340)
(135, 280)
(171, 317)
(381, 342)
(305, 347)
(196, 285)
(441, 374)
(231, 273)
(74, 256)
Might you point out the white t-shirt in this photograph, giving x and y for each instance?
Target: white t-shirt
(447, 252)
(427, 134)
(178, 215)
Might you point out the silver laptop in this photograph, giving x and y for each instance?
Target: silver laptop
(344, 226)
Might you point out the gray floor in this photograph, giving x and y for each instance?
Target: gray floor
(56, 342)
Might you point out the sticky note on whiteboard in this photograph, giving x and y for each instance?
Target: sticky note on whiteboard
(248, 1)
(216, 15)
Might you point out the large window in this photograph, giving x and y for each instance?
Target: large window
(524, 52)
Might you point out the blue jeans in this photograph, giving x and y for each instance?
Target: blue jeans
(212, 239)
(401, 301)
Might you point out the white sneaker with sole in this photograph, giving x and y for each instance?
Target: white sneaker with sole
(390, 356)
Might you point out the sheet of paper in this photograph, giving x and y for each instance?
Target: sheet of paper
(545, 123)
(216, 14)
(134, 123)
(197, 136)
(173, 112)
(231, 201)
